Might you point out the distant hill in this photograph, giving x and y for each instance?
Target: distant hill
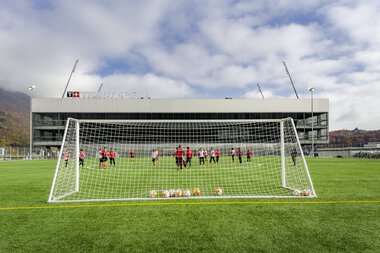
(14, 118)
(353, 138)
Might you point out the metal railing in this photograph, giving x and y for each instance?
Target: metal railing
(8, 153)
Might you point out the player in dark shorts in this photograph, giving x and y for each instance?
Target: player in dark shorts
(101, 160)
(154, 156)
(189, 156)
(201, 156)
(249, 154)
(212, 155)
(112, 155)
(240, 155)
(67, 157)
(233, 154)
(179, 157)
(132, 154)
(294, 154)
(217, 155)
(175, 156)
(105, 159)
(82, 155)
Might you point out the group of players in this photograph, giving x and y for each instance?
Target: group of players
(103, 156)
(183, 158)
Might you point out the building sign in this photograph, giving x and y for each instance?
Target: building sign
(106, 95)
(73, 94)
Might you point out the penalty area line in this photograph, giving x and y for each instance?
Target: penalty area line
(74, 206)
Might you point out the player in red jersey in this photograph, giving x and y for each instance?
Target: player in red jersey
(189, 156)
(67, 157)
(82, 155)
(240, 155)
(249, 154)
(132, 155)
(217, 155)
(112, 155)
(179, 157)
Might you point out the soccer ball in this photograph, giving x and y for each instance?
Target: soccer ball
(186, 193)
(297, 193)
(306, 192)
(218, 191)
(165, 194)
(197, 192)
(178, 193)
(153, 194)
(172, 193)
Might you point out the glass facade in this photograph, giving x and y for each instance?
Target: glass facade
(48, 128)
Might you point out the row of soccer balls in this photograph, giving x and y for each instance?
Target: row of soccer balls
(180, 193)
(217, 192)
(298, 193)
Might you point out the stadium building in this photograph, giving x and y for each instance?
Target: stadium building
(49, 115)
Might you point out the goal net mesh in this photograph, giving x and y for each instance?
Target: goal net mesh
(127, 160)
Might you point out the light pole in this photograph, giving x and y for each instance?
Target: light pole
(311, 89)
(31, 88)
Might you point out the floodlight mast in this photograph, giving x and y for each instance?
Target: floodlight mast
(31, 88)
(311, 89)
(100, 87)
(258, 86)
(68, 81)
(291, 80)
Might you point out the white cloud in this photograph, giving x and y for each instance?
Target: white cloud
(246, 44)
(257, 94)
(358, 20)
(150, 85)
(354, 106)
(188, 48)
(188, 61)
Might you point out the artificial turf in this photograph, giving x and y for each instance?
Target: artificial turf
(344, 218)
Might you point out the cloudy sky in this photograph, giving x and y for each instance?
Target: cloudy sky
(199, 49)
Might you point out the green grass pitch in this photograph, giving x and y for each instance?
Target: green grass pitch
(344, 218)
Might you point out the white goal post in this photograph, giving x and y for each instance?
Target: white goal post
(107, 160)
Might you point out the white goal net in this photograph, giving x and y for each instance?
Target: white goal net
(140, 159)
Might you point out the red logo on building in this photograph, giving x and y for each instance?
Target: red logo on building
(73, 94)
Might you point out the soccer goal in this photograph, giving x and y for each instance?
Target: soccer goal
(107, 160)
